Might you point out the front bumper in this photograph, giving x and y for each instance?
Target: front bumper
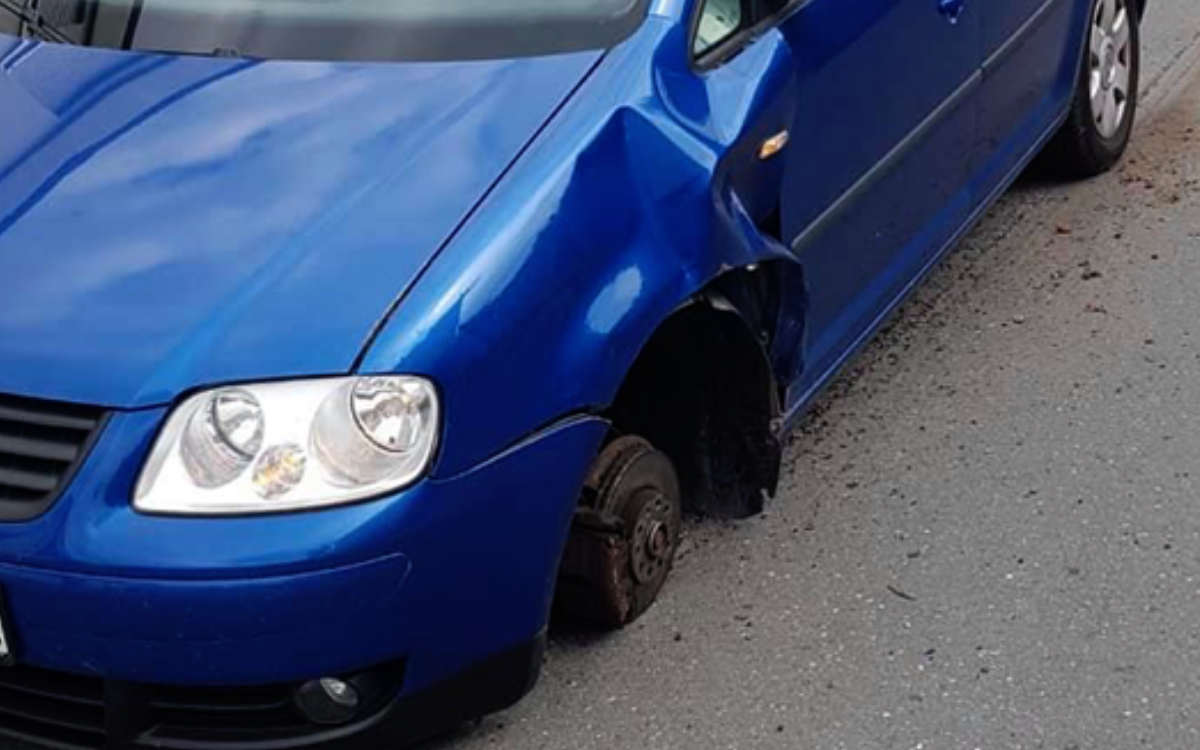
(440, 578)
(69, 712)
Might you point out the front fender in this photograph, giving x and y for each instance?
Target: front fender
(611, 220)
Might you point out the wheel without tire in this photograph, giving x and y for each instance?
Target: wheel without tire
(1097, 129)
(624, 536)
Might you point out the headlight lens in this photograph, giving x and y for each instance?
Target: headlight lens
(222, 437)
(275, 447)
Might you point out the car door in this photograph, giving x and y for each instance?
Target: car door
(877, 102)
(875, 181)
(1031, 56)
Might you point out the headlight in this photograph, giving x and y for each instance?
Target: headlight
(287, 446)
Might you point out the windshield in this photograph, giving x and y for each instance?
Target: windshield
(330, 29)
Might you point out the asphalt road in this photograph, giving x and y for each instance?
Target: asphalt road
(988, 534)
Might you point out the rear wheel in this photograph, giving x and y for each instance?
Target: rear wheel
(624, 536)
(1097, 129)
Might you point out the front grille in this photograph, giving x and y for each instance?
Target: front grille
(51, 708)
(180, 715)
(70, 712)
(41, 444)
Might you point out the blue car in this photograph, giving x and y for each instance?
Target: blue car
(342, 343)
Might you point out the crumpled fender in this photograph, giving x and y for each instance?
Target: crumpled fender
(626, 206)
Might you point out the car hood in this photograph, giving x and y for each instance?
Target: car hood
(173, 221)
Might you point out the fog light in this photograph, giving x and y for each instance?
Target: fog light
(328, 701)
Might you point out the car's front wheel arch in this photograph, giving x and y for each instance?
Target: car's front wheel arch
(703, 391)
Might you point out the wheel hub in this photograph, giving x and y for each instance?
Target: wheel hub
(650, 545)
(658, 540)
(624, 535)
(1108, 63)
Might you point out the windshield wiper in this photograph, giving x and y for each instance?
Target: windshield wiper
(33, 20)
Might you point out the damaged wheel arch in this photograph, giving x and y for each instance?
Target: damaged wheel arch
(704, 391)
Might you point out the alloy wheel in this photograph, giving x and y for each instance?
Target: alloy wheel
(1109, 61)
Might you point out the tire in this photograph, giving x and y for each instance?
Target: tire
(1089, 142)
(624, 536)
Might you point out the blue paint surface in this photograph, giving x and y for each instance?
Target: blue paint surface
(192, 220)
(515, 230)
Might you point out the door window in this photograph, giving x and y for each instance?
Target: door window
(719, 20)
(724, 26)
